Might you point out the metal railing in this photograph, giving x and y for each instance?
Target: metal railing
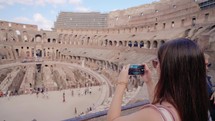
(104, 112)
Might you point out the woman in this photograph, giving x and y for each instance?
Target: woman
(179, 95)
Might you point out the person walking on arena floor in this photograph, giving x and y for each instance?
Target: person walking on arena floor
(180, 93)
(64, 100)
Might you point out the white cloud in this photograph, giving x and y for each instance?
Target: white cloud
(75, 2)
(26, 2)
(40, 2)
(22, 20)
(38, 19)
(81, 9)
(56, 1)
(11, 2)
(7, 2)
(1, 7)
(42, 22)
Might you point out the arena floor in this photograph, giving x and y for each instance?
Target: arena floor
(48, 106)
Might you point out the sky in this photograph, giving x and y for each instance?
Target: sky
(44, 12)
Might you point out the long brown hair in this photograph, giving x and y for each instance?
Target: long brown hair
(182, 79)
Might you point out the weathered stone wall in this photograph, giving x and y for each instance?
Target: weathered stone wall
(8, 25)
(137, 32)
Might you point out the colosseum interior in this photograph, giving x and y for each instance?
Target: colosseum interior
(83, 58)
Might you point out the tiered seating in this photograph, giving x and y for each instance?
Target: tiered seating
(59, 77)
(9, 79)
(3, 73)
(28, 80)
(48, 81)
(70, 77)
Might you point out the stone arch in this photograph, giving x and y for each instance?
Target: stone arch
(129, 30)
(155, 44)
(38, 38)
(18, 32)
(82, 42)
(108, 65)
(141, 44)
(88, 40)
(25, 36)
(115, 43)
(120, 43)
(70, 39)
(60, 38)
(44, 37)
(130, 43)
(17, 52)
(11, 36)
(106, 42)
(101, 42)
(49, 40)
(135, 29)
(110, 43)
(3, 35)
(3, 53)
(162, 42)
(54, 40)
(27, 53)
(125, 43)
(18, 35)
(114, 67)
(65, 39)
(148, 44)
(135, 44)
(38, 53)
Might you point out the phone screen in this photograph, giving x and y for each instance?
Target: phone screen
(136, 70)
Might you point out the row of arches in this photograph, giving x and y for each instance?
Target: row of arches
(102, 64)
(109, 69)
(88, 41)
(141, 43)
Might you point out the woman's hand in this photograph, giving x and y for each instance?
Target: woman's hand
(123, 75)
(147, 77)
(115, 107)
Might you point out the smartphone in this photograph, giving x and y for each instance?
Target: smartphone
(136, 69)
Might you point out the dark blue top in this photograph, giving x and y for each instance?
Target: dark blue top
(209, 85)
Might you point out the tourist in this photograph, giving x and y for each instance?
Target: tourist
(180, 93)
(76, 110)
(64, 100)
(46, 93)
(37, 91)
(210, 86)
(1, 93)
(30, 85)
(8, 94)
(72, 92)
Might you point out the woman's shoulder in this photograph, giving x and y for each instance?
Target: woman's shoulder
(168, 111)
(148, 112)
(164, 111)
(152, 112)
